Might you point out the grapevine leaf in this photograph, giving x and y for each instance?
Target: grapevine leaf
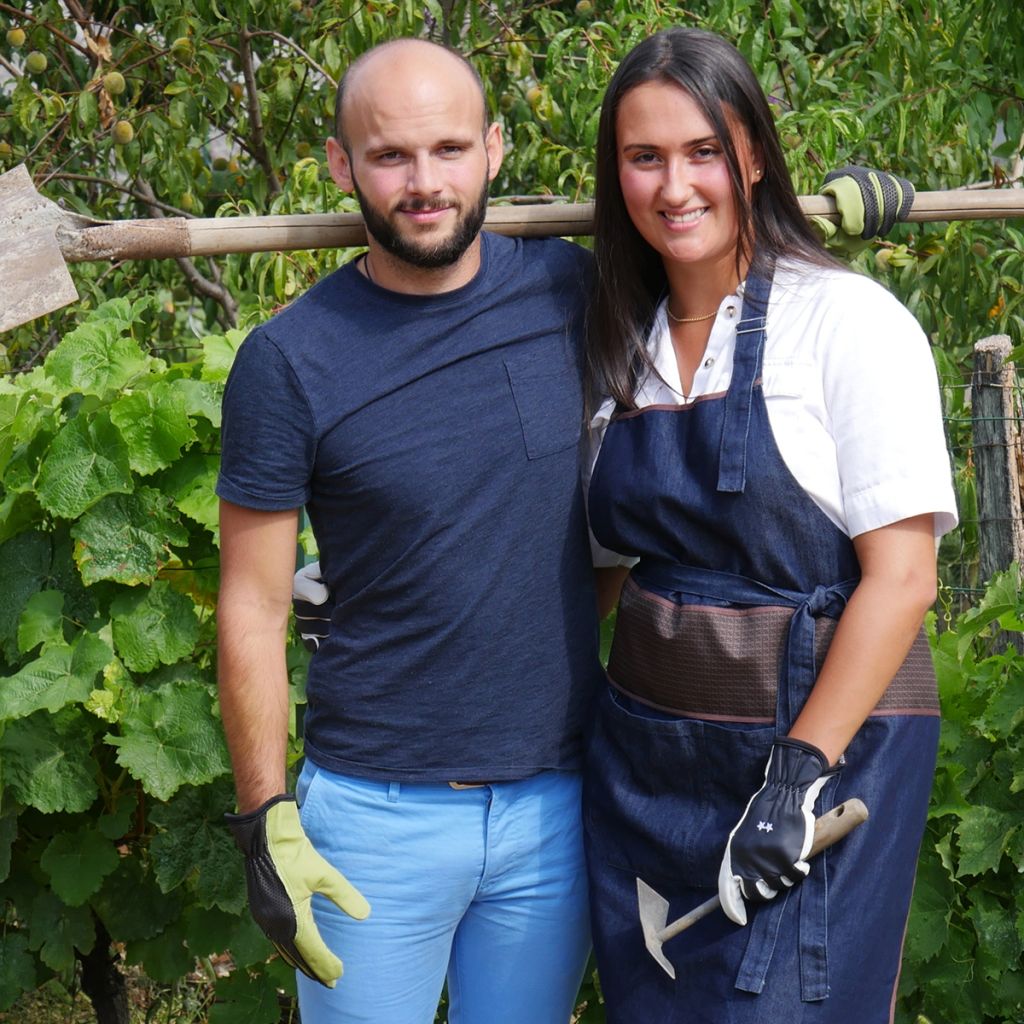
(245, 999)
(126, 538)
(192, 482)
(248, 944)
(153, 626)
(96, 357)
(154, 424)
(8, 833)
(983, 833)
(59, 676)
(1004, 711)
(77, 863)
(57, 930)
(130, 904)
(48, 762)
(194, 845)
(999, 944)
(18, 512)
(24, 563)
(209, 930)
(201, 397)
(170, 738)
(87, 461)
(219, 353)
(930, 911)
(42, 621)
(164, 957)
(17, 968)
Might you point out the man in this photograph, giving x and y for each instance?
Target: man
(424, 404)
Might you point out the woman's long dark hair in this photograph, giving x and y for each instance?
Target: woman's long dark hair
(631, 279)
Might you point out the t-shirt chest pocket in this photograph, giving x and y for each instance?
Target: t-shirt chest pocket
(548, 397)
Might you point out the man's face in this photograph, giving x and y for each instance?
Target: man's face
(417, 155)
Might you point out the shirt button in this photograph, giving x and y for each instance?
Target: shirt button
(730, 310)
(709, 362)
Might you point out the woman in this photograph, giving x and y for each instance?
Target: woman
(772, 455)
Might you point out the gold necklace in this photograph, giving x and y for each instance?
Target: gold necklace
(689, 319)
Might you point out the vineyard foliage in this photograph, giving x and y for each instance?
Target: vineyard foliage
(113, 769)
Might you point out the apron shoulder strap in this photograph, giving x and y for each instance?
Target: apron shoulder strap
(746, 369)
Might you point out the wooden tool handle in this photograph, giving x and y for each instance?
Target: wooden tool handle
(831, 827)
(828, 829)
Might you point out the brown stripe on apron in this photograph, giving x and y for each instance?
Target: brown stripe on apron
(706, 661)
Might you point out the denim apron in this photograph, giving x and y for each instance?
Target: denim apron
(722, 628)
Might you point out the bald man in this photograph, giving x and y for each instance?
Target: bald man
(424, 404)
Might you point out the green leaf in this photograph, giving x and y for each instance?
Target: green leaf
(219, 353)
(164, 957)
(127, 538)
(77, 863)
(59, 676)
(153, 626)
(983, 833)
(57, 930)
(155, 426)
(130, 904)
(248, 944)
(171, 739)
(8, 833)
(86, 109)
(42, 621)
(47, 761)
(999, 944)
(245, 999)
(17, 968)
(193, 844)
(96, 357)
(201, 397)
(24, 564)
(86, 461)
(191, 481)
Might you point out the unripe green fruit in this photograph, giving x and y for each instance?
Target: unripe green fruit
(237, 91)
(296, 5)
(507, 102)
(123, 133)
(534, 95)
(16, 38)
(220, 163)
(187, 202)
(303, 149)
(114, 83)
(181, 48)
(584, 7)
(5, 150)
(35, 63)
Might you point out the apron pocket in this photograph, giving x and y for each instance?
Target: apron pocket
(661, 793)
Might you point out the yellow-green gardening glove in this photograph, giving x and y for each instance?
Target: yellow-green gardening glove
(282, 871)
(869, 204)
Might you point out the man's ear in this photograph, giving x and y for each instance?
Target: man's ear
(495, 149)
(339, 165)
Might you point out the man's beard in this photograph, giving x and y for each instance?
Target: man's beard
(429, 256)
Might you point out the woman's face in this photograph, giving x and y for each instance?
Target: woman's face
(674, 176)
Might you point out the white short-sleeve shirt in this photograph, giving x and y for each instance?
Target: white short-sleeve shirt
(851, 393)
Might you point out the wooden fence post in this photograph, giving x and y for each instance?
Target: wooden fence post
(997, 456)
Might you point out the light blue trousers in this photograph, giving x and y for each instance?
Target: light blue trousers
(486, 886)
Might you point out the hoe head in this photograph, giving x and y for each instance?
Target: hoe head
(653, 918)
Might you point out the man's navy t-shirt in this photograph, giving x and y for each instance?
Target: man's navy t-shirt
(433, 440)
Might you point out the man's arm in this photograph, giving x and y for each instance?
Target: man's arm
(257, 561)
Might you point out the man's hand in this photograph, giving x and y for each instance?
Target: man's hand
(869, 202)
(312, 606)
(282, 871)
(768, 848)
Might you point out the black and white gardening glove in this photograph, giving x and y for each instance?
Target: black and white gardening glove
(869, 202)
(311, 602)
(768, 848)
(282, 871)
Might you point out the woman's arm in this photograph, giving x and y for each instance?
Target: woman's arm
(874, 634)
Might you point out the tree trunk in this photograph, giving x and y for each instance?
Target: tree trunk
(102, 980)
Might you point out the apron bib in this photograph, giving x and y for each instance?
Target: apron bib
(722, 628)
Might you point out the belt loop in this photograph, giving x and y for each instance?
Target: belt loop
(394, 789)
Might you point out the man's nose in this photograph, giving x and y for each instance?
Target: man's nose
(423, 176)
